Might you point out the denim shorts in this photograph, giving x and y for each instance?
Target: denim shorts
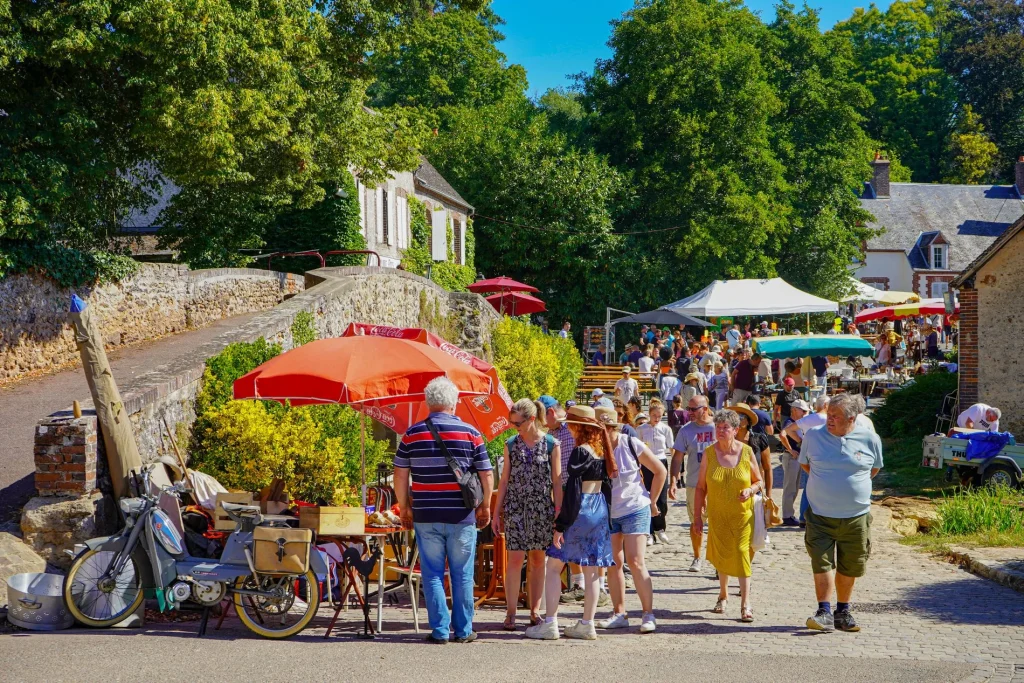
(638, 522)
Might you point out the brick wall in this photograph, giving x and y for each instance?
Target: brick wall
(968, 347)
(65, 456)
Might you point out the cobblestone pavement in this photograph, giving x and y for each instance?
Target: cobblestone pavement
(923, 620)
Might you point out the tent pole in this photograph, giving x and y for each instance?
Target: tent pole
(808, 323)
(362, 453)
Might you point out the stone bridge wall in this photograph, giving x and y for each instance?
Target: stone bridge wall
(160, 299)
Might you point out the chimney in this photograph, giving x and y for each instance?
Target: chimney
(1018, 176)
(880, 176)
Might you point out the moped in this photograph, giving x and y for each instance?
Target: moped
(108, 580)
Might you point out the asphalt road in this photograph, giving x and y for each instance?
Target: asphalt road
(24, 403)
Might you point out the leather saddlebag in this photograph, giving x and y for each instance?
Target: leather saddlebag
(281, 551)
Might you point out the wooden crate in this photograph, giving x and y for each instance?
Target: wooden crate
(221, 521)
(333, 521)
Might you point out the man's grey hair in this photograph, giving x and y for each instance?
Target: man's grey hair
(441, 392)
(820, 403)
(852, 405)
(729, 417)
(995, 411)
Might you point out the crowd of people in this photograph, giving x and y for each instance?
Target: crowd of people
(584, 490)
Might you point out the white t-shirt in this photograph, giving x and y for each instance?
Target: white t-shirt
(626, 389)
(865, 421)
(628, 492)
(657, 437)
(809, 422)
(693, 439)
(733, 337)
(646, 364)
(976, 414)
(669, 386)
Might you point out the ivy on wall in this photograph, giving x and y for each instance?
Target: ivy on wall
(416, 258)
(68, 267)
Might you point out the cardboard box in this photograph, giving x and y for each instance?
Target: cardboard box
(221, 521)
(272, 507)
(333, 521)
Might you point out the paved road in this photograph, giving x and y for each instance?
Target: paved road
(922, 620)
(24, 403)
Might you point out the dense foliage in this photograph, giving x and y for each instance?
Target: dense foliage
(68, 267)
(416, 258)
(531, 363)
(910, 411)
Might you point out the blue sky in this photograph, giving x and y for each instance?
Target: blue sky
(552, 38)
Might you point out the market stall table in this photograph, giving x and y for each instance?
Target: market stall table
(377, 536)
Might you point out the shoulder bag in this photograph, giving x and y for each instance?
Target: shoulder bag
(468, 480)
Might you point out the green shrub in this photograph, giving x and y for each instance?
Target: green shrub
(986, 509)
(303, 329)
(531, 363)
(68, 267)
(911, 410)
(416, 258)
(246, 444)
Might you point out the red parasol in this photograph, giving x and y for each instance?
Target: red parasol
(489, 413)
(500, 284)
(516, 303)
(926, 307)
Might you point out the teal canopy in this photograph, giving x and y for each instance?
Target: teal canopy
(813, 345)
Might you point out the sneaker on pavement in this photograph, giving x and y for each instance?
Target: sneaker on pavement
(790, 521)
(434, 640)
(575, 594)
(468, 639)
(821, 621)
(696, 565)
(545, 630)
(844, 621)
(614, 621)
(650, 539)
(647, 624)
(581, 631)
(662, 537)
(603, 599)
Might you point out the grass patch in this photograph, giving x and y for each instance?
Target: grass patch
(986, 539)
(902, 472)
(987, 516)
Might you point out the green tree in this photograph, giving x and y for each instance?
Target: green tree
(897, 57)
(971, 156)
(985, 55)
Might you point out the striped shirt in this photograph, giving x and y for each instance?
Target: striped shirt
(436, 496)
(566, 443)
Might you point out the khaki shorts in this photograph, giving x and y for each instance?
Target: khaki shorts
(691, 505)
(840, 544)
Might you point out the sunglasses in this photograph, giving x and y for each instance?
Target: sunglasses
(517, 425)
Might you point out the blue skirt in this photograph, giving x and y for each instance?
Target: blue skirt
(588, 541)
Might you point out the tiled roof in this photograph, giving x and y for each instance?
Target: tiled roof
(432, 181)
(991, 251)
(970, 217)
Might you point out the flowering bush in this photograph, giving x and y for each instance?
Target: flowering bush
(531, 363)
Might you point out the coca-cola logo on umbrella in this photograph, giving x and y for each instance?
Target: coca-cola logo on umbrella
(385, 418)
(457, 353)
(385, 331)
(499, 425)
(483, 404)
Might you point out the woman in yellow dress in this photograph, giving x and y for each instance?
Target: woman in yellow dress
(728, 480)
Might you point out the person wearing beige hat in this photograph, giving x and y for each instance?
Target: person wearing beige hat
(581, 534)
(627, 387)
(630, 513)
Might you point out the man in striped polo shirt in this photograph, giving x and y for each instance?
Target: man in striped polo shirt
(445, 527)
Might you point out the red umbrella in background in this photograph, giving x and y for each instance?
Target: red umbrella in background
(516, 303)
(926, 307)
(488, 413)
(500, 284)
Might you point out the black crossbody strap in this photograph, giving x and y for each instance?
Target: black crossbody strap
(452, 462)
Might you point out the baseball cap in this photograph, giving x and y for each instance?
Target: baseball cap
(802, 405)
(549, 402)
(604, 402)
(597, 392)
(789, 382)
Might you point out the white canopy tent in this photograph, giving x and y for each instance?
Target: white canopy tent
(774, 296)
(863, 293)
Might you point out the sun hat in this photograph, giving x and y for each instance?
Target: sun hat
(581, 415)
(789, 382)
(606, 416)
(626, 369)
(801, 404)
(746, 412)
(641, 416)
(597, 393)
(692, 376)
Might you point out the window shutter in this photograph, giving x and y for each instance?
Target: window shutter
(361, 193)
(439, 235)
(378, 212)
(392, 210)
(460, 241)
(402, 221)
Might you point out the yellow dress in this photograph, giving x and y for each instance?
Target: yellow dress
(730, 521)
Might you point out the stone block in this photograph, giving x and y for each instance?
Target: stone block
(52, 525)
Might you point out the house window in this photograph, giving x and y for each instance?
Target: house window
(938, 289)
(938, 257)
(457, 229)
(384, 217)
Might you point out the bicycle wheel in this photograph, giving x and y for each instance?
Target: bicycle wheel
(95, 599)
(289, 603)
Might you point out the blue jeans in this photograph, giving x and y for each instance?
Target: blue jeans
(456, 544)
(804, 504)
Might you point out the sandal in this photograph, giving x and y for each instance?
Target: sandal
(536, 619)
(746, 614)
(720, 606)
(510, 622)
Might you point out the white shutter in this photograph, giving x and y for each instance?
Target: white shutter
(439, 235)
(378, 212)
(361, 191)
(462, 241)
(402, 221)
(392, 217)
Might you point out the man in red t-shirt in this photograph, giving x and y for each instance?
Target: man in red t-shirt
(743, 377)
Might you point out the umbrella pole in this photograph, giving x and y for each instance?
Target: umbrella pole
(808, 323)
(362, 454)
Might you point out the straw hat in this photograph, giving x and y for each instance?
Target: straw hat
(607, 417)
(746, 412)
(692, 376)
(581, 415)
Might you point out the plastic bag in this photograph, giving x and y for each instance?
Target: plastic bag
(760, 537)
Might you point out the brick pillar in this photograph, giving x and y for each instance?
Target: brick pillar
(65, 456)
(968, 347)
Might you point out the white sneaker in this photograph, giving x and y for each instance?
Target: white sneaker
(662, 537)
(615, 621)
(581, 631)
(545, 630)
(696, 565)
(647, 623)
(650, 539)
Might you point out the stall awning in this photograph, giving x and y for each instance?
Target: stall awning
(664, 316)
(813, 345)
(863, 293)
(773, 296)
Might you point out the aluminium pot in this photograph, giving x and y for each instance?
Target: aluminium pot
(36, 602)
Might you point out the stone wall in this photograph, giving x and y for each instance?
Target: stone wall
(160, 299)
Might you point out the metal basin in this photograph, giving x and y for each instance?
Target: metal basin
(36, 602)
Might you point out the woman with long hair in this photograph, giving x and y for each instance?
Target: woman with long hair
(582, 534)
(529, 492)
